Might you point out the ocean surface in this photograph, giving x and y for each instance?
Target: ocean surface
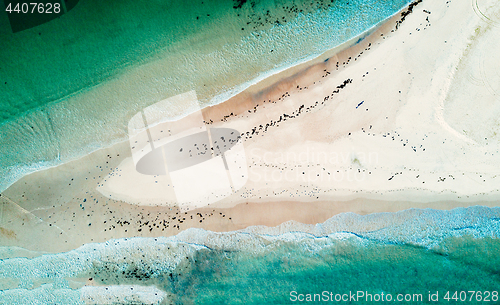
(69, 86)
(413, 253)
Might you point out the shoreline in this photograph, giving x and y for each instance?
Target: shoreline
(74, 203)
(380, 226)
(259, 83)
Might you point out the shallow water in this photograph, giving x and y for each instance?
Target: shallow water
(70, 86)
(414, 252)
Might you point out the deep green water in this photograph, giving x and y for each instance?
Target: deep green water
(70, 86)
(414, 252)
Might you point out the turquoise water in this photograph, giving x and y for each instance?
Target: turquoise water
(410, 253)
(69, 86)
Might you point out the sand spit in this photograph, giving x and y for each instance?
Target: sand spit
(383, 126)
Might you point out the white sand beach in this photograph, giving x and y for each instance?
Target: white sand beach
(406, 118)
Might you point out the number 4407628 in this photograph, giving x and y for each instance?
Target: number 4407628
(40, 8)
(480, 296)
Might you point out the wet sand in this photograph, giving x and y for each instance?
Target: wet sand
(384, 97)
